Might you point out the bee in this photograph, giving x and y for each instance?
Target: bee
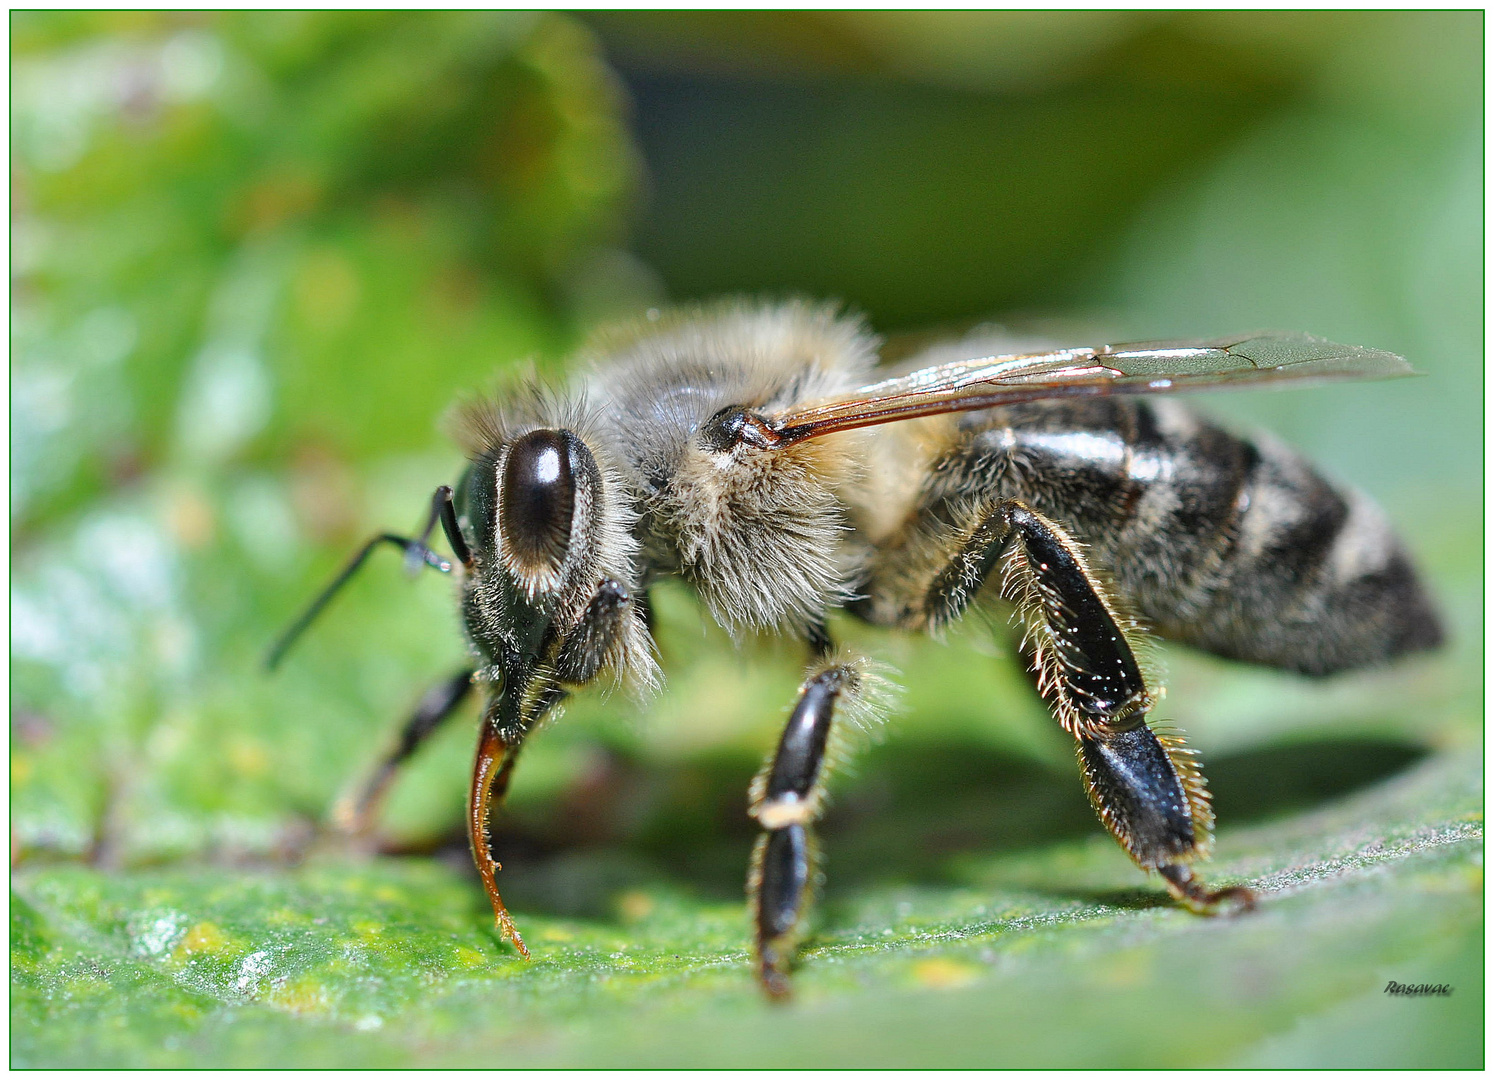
(750, 449)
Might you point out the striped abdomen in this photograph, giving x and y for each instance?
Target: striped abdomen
(1237, 548)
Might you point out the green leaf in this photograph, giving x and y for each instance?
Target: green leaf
(1061, 957)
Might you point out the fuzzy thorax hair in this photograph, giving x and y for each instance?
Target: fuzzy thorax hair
(758, 532)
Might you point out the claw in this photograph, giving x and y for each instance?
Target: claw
(504, 922)
(775, 981)
(1188, 890)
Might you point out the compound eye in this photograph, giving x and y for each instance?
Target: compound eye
(536, 504)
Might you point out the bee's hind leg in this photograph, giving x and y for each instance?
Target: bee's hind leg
(1144, 786)
(1189, 891)
(786, 798)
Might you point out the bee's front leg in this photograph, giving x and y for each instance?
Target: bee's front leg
(1144, 786)
(497, 753)
(607, 635)
(786, 798)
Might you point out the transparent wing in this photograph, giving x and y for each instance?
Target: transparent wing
(1154, 367)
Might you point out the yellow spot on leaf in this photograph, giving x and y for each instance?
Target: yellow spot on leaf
(305, 997)
(1123, 971)
(1473, 877)
(202, 938)
(189, 516)
(468, 958)
(635, 905)
(248, 757)
(326, 290)
(944, 973)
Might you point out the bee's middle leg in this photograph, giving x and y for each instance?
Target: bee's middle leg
(1145, 788)
(786, 798)
(356, 813)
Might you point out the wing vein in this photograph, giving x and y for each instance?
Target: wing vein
(1262, 359)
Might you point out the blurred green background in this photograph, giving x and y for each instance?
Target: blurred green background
(256, 255)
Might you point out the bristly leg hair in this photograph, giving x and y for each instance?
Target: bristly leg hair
(1200, 802)
(1031, 601)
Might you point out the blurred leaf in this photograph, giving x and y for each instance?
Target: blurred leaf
(225, 216)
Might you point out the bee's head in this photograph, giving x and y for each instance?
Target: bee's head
(550, 532)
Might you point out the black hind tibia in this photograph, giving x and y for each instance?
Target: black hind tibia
(1144, 786)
